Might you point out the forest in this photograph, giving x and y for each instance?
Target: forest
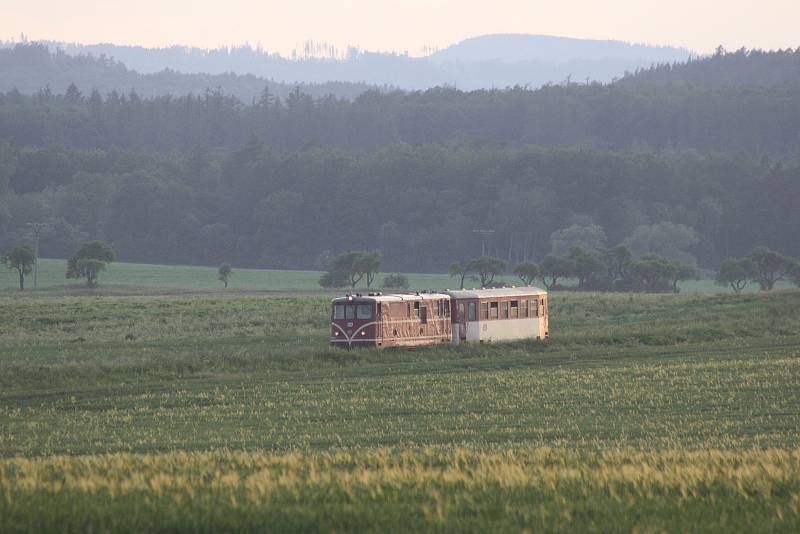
(693, 170)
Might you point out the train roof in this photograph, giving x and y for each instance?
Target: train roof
(390, 297)
(496, 292)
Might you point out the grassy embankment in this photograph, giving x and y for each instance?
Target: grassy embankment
(643, 411)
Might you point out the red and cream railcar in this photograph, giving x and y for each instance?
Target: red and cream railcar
(398, 320)
(500, 314)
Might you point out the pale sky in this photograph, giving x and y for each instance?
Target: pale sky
(401, 25)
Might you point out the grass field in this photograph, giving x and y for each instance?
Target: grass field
(642, 412)
(127, 278)
(153, 278)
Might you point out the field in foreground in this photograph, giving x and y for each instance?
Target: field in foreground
(456, 490)
(642, 411)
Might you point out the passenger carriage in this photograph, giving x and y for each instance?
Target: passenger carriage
(390, 320)
(500, 314)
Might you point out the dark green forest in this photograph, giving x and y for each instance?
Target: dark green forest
(290, 182)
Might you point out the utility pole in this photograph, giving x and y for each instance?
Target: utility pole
(38, 228)
(484, 233)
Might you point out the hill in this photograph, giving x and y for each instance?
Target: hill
(741, 68)
(515, 48)
(479, 63)
(34, 68)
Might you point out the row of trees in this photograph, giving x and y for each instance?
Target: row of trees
(87, 262)
(257, 207)
(598, 270)
(630, 115)
(762, 266)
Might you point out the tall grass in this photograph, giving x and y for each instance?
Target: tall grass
(542, 489)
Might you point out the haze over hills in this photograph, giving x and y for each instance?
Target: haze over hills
(512, 48)
(31, 68)
(481, 62)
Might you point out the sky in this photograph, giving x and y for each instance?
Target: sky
(401, 25)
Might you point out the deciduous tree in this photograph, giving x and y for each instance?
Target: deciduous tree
(89, 260)
(527, 271)
(768, 267)
(224, 273)
(487, 268)
(22, 259)
(735, 273)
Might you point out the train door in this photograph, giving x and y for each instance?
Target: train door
(462, 320)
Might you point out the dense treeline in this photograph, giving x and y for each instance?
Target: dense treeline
(756, 120)
(691, 173)
(33, 67)
(418, 205)
(743, 68)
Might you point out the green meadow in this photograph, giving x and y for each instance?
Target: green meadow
(218, 412)
(140, 278)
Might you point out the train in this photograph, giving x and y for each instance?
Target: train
(386, 320)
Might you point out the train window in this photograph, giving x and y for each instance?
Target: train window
(494, 308)
(514, 309)
(504, 307)
(484, 311)
(524, 311)
(471, 312)
(364, 311)
(446, 308)
(423, 315)
(349, 312)
(416, 309)
(460, 311)
(534, 308)
(338, 311)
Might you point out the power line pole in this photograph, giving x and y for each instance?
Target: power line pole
(38, 228)
(484, 233)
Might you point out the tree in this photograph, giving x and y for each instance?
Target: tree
(487, 267)
(368, 264)
(586, 266)
(681, 272)
(652, 273)
(768, 267)
(395, 281)
(664, 239)
(794, 272)
(554, 267)
(22, 259)
(735, 273)
(460, 269)
(527, 271)
(224, 273)
(349, 268)
(587, 237)
(333, 279)
(89, 260)
(618, 261)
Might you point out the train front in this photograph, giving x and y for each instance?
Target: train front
(354, 321)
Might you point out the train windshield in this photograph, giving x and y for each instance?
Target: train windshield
(344, 311)
(364, 311)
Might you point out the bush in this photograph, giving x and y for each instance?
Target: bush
(395, 281)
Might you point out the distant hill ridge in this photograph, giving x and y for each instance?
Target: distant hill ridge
(32, 67)
(477, 63)
(512, 48)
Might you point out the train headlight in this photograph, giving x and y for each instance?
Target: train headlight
(363, 332)
(336, 334)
